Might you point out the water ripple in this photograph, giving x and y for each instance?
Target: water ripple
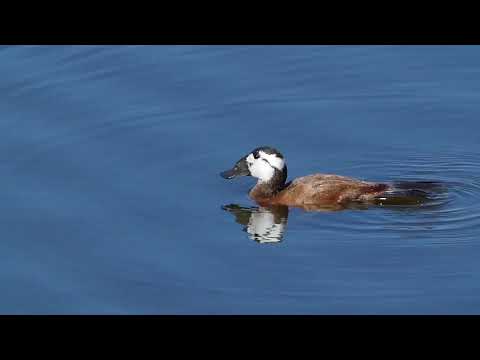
(451, 212)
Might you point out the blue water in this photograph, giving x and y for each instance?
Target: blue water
(111, 201)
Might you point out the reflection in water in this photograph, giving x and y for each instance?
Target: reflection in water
(263, 224)
(268, 224)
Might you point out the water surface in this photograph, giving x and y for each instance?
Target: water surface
(111, 201)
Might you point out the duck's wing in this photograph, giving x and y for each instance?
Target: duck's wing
(329, 189)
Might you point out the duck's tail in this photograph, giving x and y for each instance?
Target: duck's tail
(410, 192)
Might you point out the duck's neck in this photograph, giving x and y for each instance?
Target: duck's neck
(268, 189)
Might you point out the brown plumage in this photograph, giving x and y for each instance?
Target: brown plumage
(317, 189)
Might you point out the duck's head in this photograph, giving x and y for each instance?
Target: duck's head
(264, 163)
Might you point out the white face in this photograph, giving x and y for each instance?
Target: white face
(264, 167)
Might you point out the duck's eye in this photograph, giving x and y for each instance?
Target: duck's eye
(256, 155)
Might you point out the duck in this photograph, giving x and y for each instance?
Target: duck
(268, 166)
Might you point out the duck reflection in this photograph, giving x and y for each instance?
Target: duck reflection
(263, 224)
(267, 224)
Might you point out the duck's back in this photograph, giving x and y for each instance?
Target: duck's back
(327, 189)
